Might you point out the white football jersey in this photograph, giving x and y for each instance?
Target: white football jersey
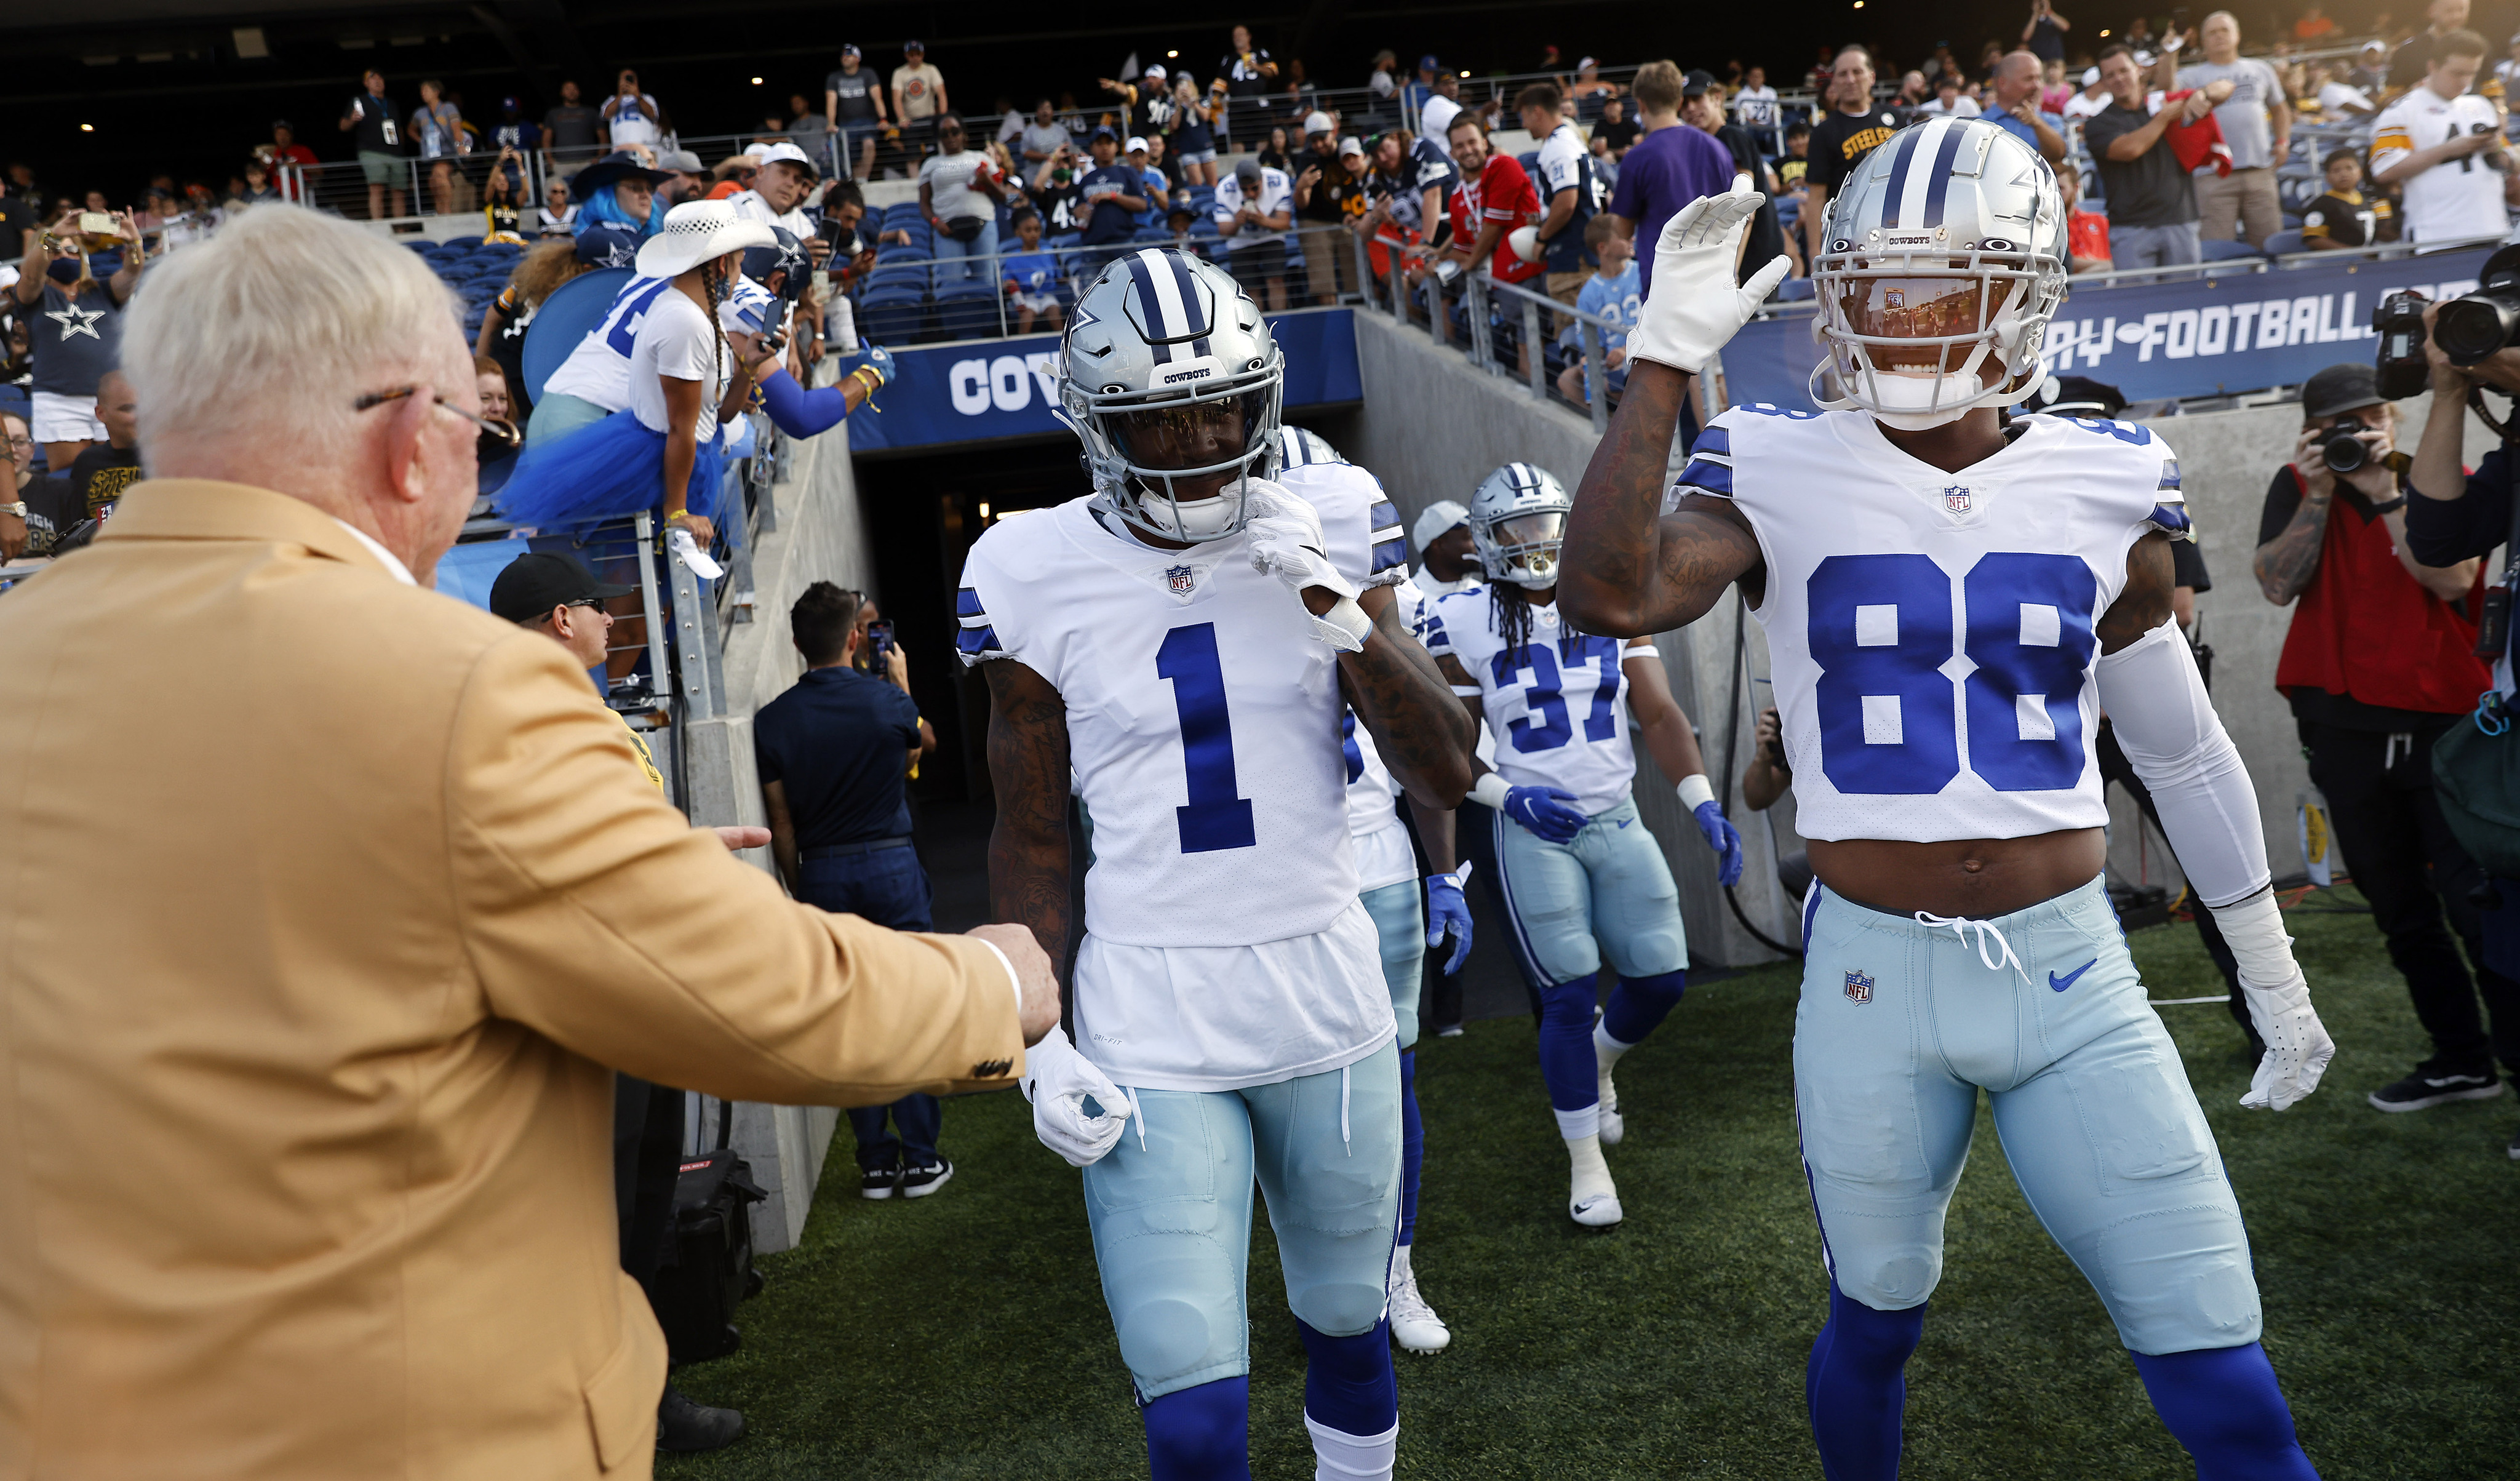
(1345, 495)
(1930, 633)
(2457, 198)
(1555, 705)
(599, 369)
(1417, 598)
(1204, 723)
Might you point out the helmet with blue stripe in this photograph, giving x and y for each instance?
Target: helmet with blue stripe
(1170, 376)
(1302, 447)
(1942, 259)
(1518, 522)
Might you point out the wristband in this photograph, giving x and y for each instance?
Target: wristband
(2390, 507)
(2253, 928)
(1489, 791)
(1349, 618)
(1696, 792)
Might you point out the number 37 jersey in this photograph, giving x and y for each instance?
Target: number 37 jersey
(1930, 634)
(1202, 723)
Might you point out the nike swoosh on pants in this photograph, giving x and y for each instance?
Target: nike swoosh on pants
(2060, 984)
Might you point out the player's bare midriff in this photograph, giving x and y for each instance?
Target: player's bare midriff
(1977, 877)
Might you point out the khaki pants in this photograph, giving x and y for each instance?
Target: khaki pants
(1329, 260)
(2246, 198)
(1564, 288)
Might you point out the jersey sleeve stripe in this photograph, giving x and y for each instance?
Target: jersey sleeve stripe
(1388, 554)
(967, 605)
(977, 643)
(2170, 473)
(1431, 632)
(2171, 520)
(1717, 440)
(1707, 476)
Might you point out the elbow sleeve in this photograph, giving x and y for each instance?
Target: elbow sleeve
(2167, 725)
(798, 412)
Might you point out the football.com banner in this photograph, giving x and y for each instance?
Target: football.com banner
(2205, 337)
(982, 390)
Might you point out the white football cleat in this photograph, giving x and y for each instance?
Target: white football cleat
(1591, 1199)
(1413, 1324)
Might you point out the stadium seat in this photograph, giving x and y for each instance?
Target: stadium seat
(1794, 290)
(893, 314)
(2225, 251)
(2282, 242)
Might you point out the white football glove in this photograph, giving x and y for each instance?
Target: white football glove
(1058, 1081)
(1286, 542)
(2272, 983)
(1693, 309)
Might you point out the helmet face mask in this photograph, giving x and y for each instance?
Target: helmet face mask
(1517, 524)
(1170, 376)
(1945, 260)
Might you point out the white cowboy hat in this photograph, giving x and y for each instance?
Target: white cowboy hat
(697, 232)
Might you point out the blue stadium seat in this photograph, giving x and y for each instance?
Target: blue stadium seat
(2225, 251)
(2282, 242)
(893, 314)
(464, 243)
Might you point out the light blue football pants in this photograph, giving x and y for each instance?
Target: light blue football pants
(1171, 1213)
(1899, 1026)
(1606, 889)
(1400, 920)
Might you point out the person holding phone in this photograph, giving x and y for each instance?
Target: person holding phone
(372, 116)
(75, 332)
(1244, 77)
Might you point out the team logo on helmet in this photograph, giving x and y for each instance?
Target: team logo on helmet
(1858, 989)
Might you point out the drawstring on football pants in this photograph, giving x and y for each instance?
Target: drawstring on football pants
(1343, 1135)
(1961, 925)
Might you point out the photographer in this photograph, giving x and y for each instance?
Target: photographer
(2378, 664)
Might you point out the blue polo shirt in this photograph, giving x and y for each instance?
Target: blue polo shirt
(838, 742)
(2012, 125)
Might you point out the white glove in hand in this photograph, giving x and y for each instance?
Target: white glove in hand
(1286, 542)
(1059, 1081)
(2297, 1047)
(1695, 309)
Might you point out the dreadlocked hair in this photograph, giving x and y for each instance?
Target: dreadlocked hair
(1513, 613)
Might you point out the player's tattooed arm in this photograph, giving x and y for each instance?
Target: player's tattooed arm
(1457, 679)
(1404, 700)
(1028, 859)
(1626, 571)
(2145, 602)
(2286, 564)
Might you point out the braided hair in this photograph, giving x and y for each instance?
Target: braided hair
(1510, 608)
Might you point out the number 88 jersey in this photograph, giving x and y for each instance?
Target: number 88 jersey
(1930, 634)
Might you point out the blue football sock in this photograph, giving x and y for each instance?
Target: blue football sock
(2222, 1404)
(1202, 1433)
(1857, 1387)
(1638, 1004)
(1566, 1063)
(1413, 1145)
(1348, 1383)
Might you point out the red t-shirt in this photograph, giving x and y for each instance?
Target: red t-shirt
(1502, 193)
(2086, 234)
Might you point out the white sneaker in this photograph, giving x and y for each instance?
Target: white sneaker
(1591, 1199)
(1413, 1324)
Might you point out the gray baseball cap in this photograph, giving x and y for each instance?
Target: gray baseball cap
(1440, 518)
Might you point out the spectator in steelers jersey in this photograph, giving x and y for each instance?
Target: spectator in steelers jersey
(100, 474)
(1854, 127)
(2343, 216)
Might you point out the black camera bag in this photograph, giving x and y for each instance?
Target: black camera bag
(707, 1265)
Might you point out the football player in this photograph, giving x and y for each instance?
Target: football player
(1950, 598)
(1386, 862)
(1184, 639)
(1576, 872)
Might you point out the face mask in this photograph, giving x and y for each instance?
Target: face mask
(1905, 399)
(63, 270)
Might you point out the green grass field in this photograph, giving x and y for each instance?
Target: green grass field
(965, 1336)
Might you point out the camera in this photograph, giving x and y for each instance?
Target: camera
(2343, 450)
(2469, 330)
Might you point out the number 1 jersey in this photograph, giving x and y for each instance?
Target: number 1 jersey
(1930, 633)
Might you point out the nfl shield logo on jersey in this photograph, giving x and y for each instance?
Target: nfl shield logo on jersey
(1178, 578)
(1858, 987)
(1955, 501)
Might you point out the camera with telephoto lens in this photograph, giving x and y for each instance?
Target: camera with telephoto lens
(2469, 330)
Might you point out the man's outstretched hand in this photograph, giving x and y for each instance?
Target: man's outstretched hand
(737, 839)
(1034, 975)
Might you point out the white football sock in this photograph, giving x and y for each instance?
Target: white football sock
(1341, 1457)
(1591, 1197)
(1579, 1125)
(1606, 1050)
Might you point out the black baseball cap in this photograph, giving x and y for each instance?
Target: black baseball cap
(533, 584)
(2340, 388)
(1696, 84)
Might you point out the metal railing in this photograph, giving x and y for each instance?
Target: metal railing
(1485, 304)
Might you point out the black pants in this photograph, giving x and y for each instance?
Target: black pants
(2115, 767)
(888, 887)
(647, 1159)
(2389, 827)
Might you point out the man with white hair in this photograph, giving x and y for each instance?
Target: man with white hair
(332, 1114)
(2255, 123)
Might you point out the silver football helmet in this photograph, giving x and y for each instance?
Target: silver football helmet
(1518, 522)
(1160, 354)
(1942, 259)
(1302, 447)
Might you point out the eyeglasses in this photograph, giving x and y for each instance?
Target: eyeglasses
(504, 431)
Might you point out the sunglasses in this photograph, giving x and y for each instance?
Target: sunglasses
(504, 431)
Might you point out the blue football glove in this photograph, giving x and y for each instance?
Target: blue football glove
(880, 360)
(1448, 913)
(1544, 810)
(1722, 837)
